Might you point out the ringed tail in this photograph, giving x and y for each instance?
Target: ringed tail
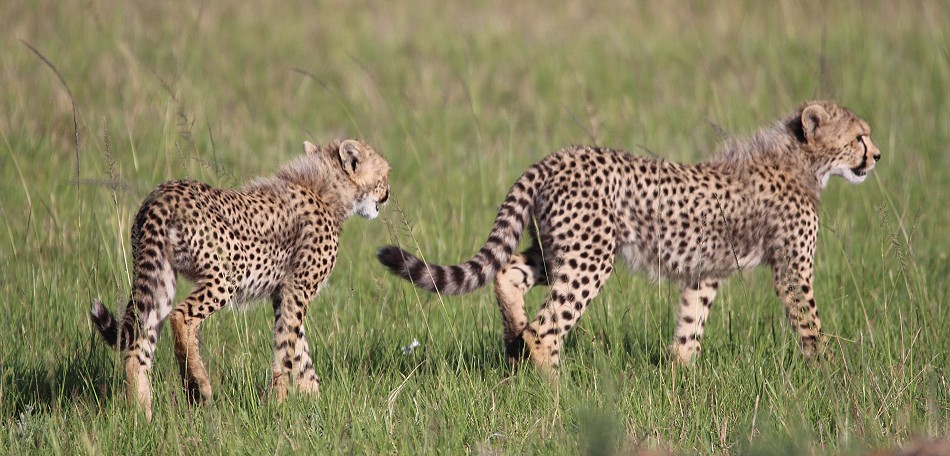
(105, 322)
(108, 326)
(148, 232)
(512, 218)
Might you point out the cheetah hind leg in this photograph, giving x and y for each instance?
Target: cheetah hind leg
(138, 364)
(522, 272)
(186, 319)
(577, 281)
(145, 312)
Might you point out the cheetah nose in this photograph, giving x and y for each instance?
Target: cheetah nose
(877, 156)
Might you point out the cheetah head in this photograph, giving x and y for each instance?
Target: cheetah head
(365, 172)
(839, 142)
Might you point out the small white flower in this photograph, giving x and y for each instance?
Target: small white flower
(407, 349)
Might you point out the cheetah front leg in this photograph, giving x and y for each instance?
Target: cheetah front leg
(522, 272)
(306, 377)
(696, 300)
(793, 285)
(292, 352)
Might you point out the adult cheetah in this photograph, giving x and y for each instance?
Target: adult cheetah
(694, 223)
(275, 237)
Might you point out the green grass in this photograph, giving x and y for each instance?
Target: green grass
(461, 99)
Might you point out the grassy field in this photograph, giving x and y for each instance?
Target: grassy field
(461, 99)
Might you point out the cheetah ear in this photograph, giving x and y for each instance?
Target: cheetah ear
(349, 155)
(310, 148)
(813, 117)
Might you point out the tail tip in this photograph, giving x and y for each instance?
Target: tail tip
(391, 256)
(104, 321)
(98, 310)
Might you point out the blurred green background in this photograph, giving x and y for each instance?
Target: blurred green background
(461, 97)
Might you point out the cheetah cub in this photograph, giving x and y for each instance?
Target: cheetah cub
(757, 202)
(275, 237)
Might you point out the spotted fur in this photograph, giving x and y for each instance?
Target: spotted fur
(275, 237)
(757, 202)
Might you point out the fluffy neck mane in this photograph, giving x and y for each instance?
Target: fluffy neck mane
(783, 141)
(782, 147)
(318, 172)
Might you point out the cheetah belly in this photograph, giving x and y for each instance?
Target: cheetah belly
(639, 259)
(752, 258)
(253, 289)
(260, 280)
(646, 257)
